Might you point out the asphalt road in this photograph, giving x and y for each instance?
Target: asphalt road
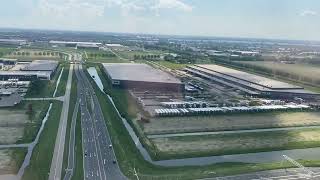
(99, 159)
(57, 159)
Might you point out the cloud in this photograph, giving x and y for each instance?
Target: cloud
(308, 13)
(172, 4)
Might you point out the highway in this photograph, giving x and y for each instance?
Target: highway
(99, 161)
(57, 159)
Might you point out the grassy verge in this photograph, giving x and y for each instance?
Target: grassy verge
(73, 99)
(129, 157)
(17, 155)
(40, 162)
(63, 81)
(211, 145)
(78, 171)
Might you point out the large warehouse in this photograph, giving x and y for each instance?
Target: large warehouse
(39, 69)
(141, 77)
(249, 83)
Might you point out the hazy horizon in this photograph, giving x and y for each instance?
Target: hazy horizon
(266, 19)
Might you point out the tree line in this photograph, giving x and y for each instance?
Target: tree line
(146, 57)
(97, 55)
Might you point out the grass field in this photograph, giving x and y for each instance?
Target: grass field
(130, 54)
(231, 122)
(207, 145)
(128, 156)
(19, 126)
(11, 160)
(42, 154)
(63, 81)
(5, 50)
(171, 65)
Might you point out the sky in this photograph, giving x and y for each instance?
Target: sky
(276, 19)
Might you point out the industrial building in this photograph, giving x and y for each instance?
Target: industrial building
(77, 45)
(14, 42)
(6, 61)
(39, 69)
(251, 84)
(141, 77)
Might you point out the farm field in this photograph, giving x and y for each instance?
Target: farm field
(230, 122)
(205, 145)
(5, 50)
(18, 125)
(11, 160)
(299, 72)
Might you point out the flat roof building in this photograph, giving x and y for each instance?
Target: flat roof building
(17, 42)
(39, 69)
(41, 65)
(141, 76)
(249, 83)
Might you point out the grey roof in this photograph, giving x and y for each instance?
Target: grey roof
(41, 65)
(259, 80)
(138, 72)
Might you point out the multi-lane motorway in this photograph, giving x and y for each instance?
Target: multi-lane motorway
(99, 161)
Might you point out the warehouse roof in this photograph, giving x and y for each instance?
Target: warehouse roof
(266, 82)
(138, 72)
(41, 65)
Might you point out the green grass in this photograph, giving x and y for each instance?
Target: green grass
(78, 171)
(18, 155)
(42, 155)
(73, 99)
(240, 143)
(171, 65)
(63, 81)
(5, 50)
(129, 157)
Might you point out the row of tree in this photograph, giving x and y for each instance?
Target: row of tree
(27, 53)
(146, 57)
(97, 55)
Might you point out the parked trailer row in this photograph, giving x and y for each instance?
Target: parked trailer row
(220, 110)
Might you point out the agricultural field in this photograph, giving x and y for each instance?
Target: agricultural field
(205, 145)
(230, 122)
(11, 160)
(21, 123)
(101, 56)
(5, 50)
(298, 72)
